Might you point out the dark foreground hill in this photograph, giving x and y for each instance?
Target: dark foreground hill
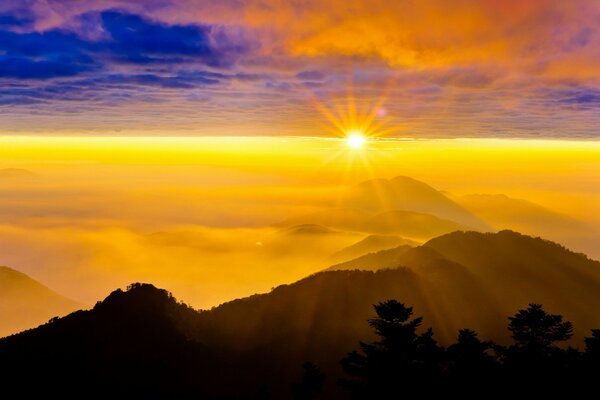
(132, 343)
(143, 342)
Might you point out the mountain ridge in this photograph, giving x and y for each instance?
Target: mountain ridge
(459, 280)
(25, 302)
(409, 194)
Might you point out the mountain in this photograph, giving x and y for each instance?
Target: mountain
(316, 239)
(400, 206)
(341, 218)
(408, 224)
(390, 258)
(462, 279)
(308, 229)
(408, 194)
(26, 303)
(17, 173)
(511, 268)
(411, 224)
(132, 343)
(370, 244)
(504, 212)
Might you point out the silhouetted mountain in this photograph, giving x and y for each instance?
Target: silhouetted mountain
(503, 212)
(407, 194)
(390, 258)
(511, 268)
(26, 303)
(370, 244)
(496, 274)
(455, 281)
(132, 343)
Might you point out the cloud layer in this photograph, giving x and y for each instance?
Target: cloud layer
(466, 68)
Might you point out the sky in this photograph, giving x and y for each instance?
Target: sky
(165, 141)
(465, 68)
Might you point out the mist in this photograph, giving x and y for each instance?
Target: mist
(87, 218)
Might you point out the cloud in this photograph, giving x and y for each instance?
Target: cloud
(492, 63)
(581, 97)
(127, 38)
(42, 55)
(125, 53)
(311, 75)
(140, 41)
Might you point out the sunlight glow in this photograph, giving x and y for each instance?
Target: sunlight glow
(356, 139)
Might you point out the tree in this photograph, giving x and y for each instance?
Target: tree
(534, 328)
(591, 357)
(535, 356)
(399, 362)
(470, 356)
(311, 384)
(592, 345)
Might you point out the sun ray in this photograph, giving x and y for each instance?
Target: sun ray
(359, 125)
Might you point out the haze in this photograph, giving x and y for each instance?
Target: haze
(205, 217)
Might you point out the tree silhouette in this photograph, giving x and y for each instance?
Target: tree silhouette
(401, 355)
(592, 345)
(534, 328)
(535, 355)
(140, 343)
(469, 355)
(591, 357)
(470, 364)
(311, 384)
(263, 393)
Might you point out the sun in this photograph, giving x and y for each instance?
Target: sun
(357, 125)
(356, 139)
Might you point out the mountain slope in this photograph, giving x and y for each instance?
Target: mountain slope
(390, 258)
(463, 279)
(26, 303)
(516, 267)
(408, 194)
(132, 342)
(513, 269)
(410, 224)
(17, 173)
(317, 240)
(504, 212)
(370, 244)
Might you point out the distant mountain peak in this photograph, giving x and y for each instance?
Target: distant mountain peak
(406, 193)
(15, 173)
(408, 180)
(397, 180)
(137, 292)
(26, 303)
(308, 229)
